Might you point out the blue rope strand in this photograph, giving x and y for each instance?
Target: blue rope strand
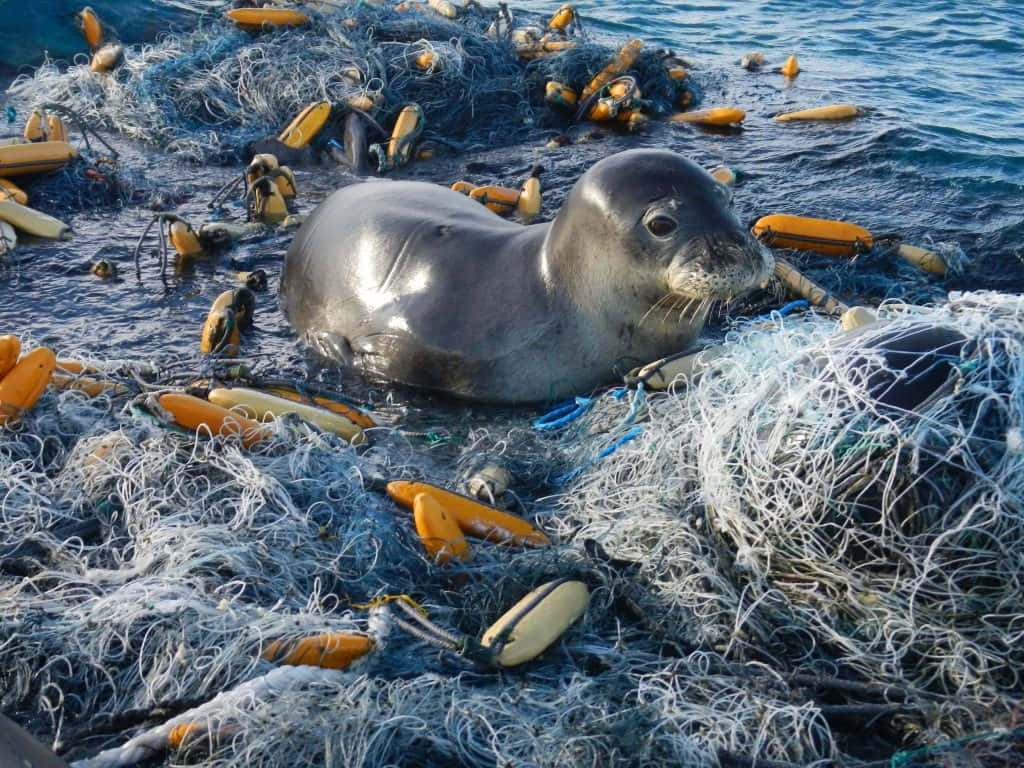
(563, 414)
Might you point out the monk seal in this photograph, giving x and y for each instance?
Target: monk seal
(19, 749)
(423, 286)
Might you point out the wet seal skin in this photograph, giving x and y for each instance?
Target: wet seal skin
(423, 286)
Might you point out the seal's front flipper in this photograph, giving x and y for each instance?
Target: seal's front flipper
(332, 346)
(18, 748)
(403, 358)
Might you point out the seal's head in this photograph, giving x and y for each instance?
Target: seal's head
(673, 223)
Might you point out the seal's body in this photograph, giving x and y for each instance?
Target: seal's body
(18, 749)
(424, 286)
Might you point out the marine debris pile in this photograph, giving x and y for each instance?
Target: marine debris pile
(208, 93)
(774, 559)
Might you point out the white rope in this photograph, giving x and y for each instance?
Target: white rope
(154, 741)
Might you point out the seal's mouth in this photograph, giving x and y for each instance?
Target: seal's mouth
(719, 268)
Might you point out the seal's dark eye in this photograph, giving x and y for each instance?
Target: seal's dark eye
(661, 226)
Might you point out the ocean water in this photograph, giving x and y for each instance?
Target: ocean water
(938, 157)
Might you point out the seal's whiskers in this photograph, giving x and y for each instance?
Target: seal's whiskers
(670, 295)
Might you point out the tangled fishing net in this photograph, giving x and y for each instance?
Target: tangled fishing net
(775, 560)
(205, 94)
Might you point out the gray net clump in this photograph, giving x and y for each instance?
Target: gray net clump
(782, 514)
(770, 546)
(204, 95)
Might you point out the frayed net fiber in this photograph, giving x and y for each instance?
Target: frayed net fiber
(773, 547)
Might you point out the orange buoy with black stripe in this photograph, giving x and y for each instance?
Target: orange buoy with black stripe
(631, 119)
(11, 191)
(620, 95)
(831, 112)
(74, 367)
(440, 533)
(37, 157)
(366, 100)
(350, 412)
(329, 650)
(717, 116)
(832, 238)
(10, 350)
(88, 385)
(622, 61)
(473, 517)
(504, 200)
(501, 200)
(197, 414)
(24, 383)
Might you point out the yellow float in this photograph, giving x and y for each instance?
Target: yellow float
(257, 18)
(530, 626)
(441, 535)
(474, 518)
(716, 116)
(833, 238)
(33, 222)
(24, 383)
(831, 112)
(306, 125)
(262, 405)
(196, 414)
(38, 157)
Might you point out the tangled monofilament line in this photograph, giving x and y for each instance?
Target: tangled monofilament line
(788, 514)
(206, 94)
(758, 527)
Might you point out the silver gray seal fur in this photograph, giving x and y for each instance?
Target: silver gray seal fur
(423, 286)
